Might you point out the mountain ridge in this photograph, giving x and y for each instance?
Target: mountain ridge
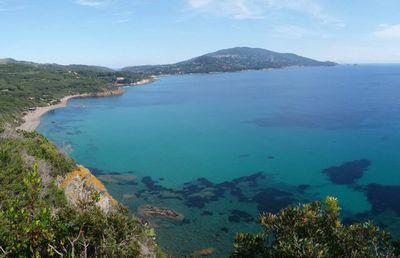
(230, 60)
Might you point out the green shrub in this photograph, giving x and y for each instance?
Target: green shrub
(314, 230)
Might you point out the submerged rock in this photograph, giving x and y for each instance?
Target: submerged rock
(384, 197)
(348, 172)
(237, 216)
(202, 252)
(273, 200)
(154, 211)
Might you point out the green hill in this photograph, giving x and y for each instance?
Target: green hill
(230, 60)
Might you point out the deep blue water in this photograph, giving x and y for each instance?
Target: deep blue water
(259, 140)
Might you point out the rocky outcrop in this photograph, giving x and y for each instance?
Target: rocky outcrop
(80, 185)
(150, 211)
(202, 252)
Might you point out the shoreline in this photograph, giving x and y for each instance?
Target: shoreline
(144, 81)
(32, 118)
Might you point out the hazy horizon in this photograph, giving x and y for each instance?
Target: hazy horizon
(119, 33)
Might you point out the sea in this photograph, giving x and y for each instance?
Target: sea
(219, 149)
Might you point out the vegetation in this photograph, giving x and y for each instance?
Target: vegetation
(314, 230)
(230, 60)
(25, 85)
(36, 219)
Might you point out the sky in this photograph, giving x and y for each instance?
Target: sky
(118, 33)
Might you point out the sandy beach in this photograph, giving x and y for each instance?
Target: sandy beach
(145, 81)
(32, 118)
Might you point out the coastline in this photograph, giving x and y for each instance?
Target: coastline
(144, 81)
(32, 118)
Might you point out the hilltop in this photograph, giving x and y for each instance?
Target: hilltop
(230, 60)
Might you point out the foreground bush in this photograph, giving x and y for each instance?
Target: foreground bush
(314, 230)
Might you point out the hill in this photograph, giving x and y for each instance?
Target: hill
(230, 60)
(25, 85)
(72, 67)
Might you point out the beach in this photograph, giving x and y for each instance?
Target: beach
(144, 81)
(32, 118)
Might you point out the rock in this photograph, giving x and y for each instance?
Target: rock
(202, 252)
(79, 185)
(128, 196)
(153, 211)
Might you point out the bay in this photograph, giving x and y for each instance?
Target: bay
(258, 141)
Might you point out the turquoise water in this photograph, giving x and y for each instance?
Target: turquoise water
(280, 128)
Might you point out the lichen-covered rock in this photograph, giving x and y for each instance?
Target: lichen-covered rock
(80, 185)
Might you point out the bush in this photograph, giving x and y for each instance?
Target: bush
(314, 230)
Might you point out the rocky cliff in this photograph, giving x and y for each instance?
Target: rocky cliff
(80, 186)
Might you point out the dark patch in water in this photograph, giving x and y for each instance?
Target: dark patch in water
(198, 193)
(224, 229)
(273, 200)
(270, 157)
(207, 213)
(161, 179)
(195, 201)
(252, 179)
(238, 216)
(151, 184)
(303, 188)
(205, 182)
(348, 172)
(240, 195)
(384, 198)
(139, 193)
(357, 218)
(186, 221)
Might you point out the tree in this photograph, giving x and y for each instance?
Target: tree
(313, 230)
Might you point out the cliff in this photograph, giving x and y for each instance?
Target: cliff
(80, 185)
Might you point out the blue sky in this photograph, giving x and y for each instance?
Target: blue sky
(118, 33)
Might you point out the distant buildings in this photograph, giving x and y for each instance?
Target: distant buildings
(120, 80)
